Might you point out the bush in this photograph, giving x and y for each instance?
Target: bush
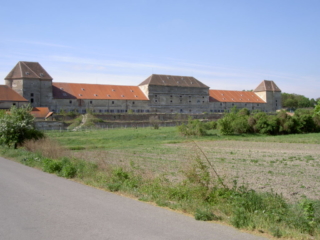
(18, 126)
(193, 128)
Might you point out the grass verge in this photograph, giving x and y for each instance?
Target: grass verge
(200, 193)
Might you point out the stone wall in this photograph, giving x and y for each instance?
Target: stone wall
(49, 125)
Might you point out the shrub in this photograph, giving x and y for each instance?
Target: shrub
(18, 126)
(51, 166)
(193, 128)
(225, 124)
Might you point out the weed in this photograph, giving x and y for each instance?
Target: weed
(205, 215)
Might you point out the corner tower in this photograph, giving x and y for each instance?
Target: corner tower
(271, 94)
(30, 80)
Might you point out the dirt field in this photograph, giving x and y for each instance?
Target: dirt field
(290, 169)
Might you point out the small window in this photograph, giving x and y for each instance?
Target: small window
(132, 102)
(171, 96)
(232, 104)
(258, 105)
(189, 96)
(189, 101)
(90, 102)
(181, 96)
(202, 101)
(220, 104)
(31, 100)
(171, 101)
(202, 97)
(156, 100)
(155, 96)
(31, 94)
(70, 101)
(13, 104)
(100, 111)
(112, 102)
(276, 100)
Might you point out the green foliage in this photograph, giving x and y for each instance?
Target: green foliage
(239, 122)
(225, 123)
(317, 109)
(193, 128)
(296, 101)
(205, 215)
(17, 127)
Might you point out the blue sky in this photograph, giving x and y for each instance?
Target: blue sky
(226, 44)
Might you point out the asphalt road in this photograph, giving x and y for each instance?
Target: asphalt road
(36, 205)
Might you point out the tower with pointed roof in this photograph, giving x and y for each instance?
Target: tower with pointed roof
(31, 81)
(270, 93)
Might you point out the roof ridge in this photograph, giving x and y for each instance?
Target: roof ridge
(31, 69)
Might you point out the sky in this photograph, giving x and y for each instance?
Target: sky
(226, 44)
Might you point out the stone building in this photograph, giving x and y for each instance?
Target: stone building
(158, 93)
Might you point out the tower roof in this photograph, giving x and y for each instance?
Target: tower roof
(268, 86)
(28, 70)
(171, 80)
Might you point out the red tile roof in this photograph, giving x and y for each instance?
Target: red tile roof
(234, 96)
(96, 91)
(28, 70)
(40, 112)
(171, 80)
(9, 95)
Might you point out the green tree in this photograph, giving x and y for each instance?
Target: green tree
(317, 110)
(17, 126)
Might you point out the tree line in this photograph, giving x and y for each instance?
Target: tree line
(292, 100)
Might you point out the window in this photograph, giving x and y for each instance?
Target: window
(258, 105)
(189, 96)
(189, 101)
(156, 100)
(31, 100)
(171, 101)
(70, 101)
(181, 96)
(112, 102)
(90, 102)
(31, 94)
(13, 104)
(132, 102)
(155, 96)
(100, 111)
(220, 104)
(232, 104)
(171, 96)
(202, 101)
